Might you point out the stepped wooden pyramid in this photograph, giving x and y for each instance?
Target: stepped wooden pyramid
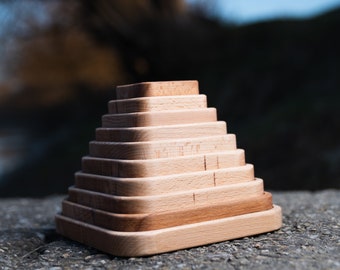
(163, 174)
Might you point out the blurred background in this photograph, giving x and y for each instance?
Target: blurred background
(272, 70)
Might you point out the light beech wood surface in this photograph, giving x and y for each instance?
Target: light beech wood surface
(163, 166)
(163, 174)
(165, 202)
(156, 185)
(164, 219)
(163, 103)
(166, 132)
(163, 148)
(145, 243)
(150, 89)
(145, 119)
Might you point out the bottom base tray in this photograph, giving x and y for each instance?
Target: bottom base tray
(145, 243)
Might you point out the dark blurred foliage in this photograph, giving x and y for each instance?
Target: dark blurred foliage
(276, 84)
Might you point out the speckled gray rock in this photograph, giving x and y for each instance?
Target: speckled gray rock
(309, 239)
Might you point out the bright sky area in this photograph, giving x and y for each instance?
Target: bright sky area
(249, 11)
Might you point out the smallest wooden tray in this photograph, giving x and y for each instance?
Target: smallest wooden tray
(151, 89)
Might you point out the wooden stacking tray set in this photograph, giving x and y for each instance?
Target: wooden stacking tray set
(163, 174)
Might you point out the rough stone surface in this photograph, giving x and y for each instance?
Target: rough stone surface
(309, 239)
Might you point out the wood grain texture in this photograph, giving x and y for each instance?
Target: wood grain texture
(139, 134)
(163, 166)
(162, 149)
(169, 239)
(149, 89)
(163, 103)
(147, 186)
(163, 174)
(144, 119)
(160, 220)
(165, 202)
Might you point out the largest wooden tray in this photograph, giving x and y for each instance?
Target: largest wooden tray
(169, 239)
